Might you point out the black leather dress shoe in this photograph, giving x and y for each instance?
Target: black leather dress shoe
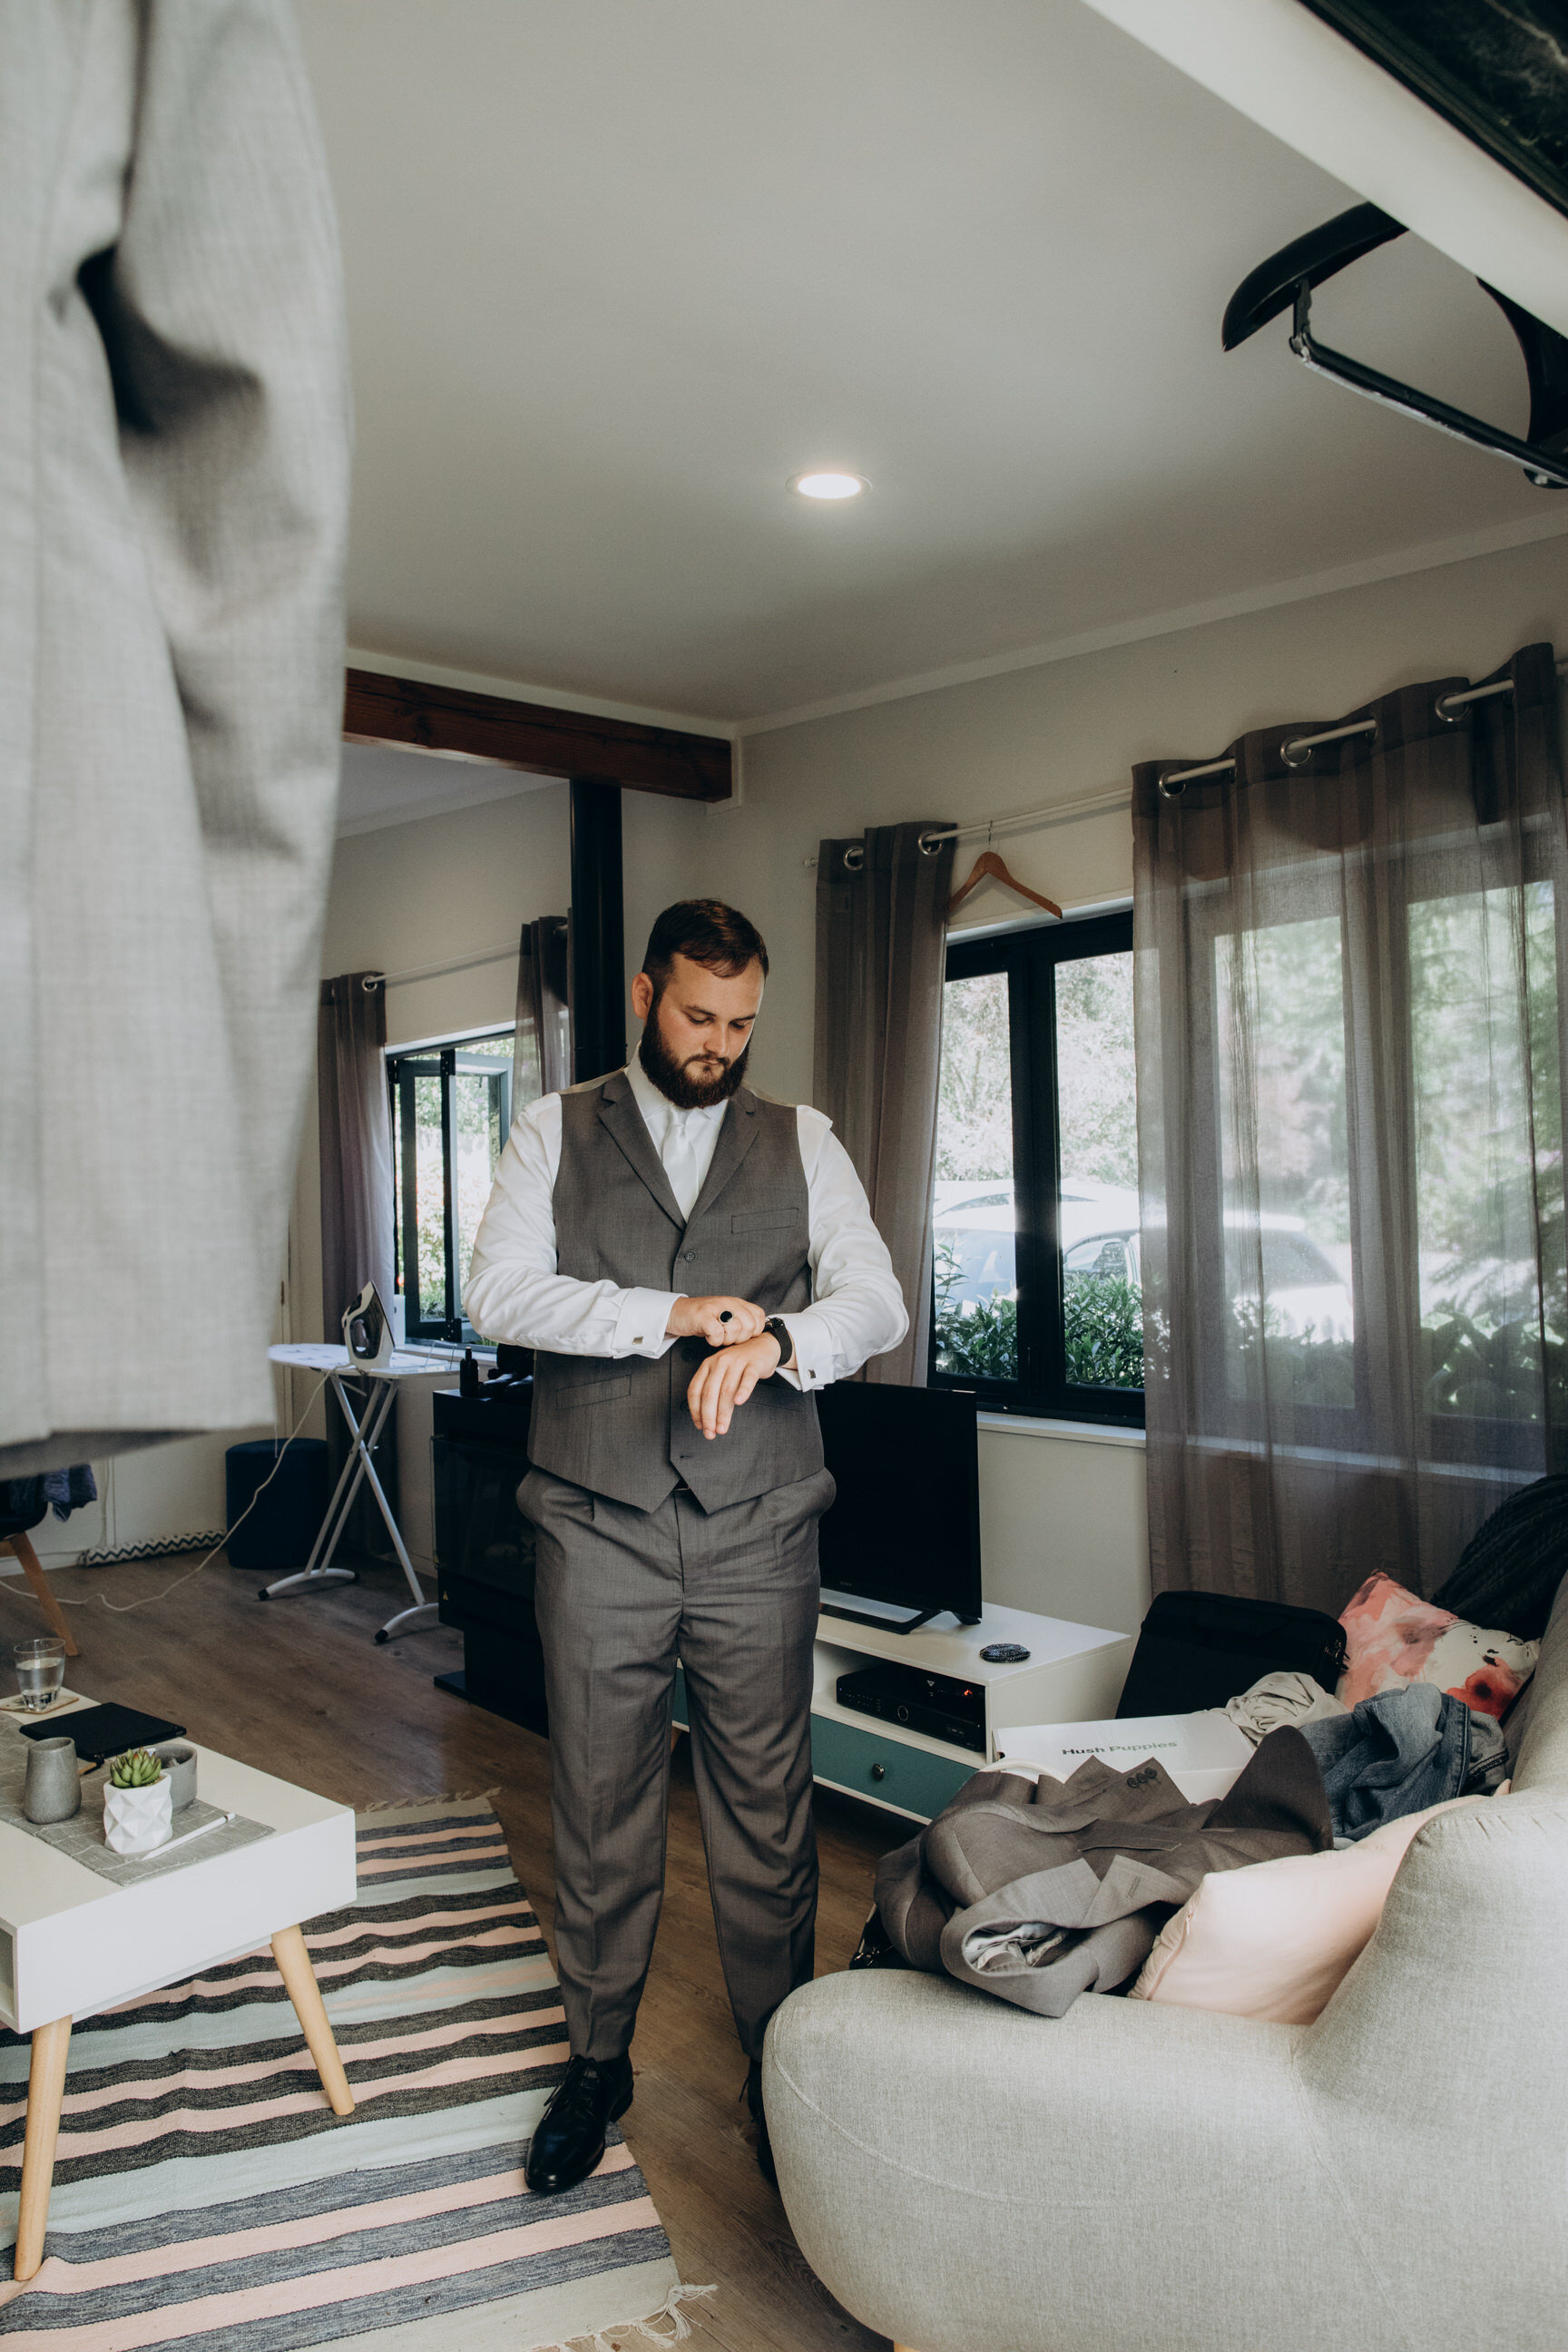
(569, 2139)
(765, 2144)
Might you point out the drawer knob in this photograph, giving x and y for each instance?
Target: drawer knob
(879, 1772)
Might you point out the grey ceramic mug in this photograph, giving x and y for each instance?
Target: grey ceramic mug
(179, 1761)
(53, 1789)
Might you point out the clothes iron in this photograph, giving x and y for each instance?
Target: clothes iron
(367, 1330)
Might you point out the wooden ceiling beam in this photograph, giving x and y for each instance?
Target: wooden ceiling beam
(456, 725)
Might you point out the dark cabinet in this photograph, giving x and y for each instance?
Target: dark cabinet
(484, 1547)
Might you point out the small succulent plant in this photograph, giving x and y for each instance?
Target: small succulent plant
(137, 1769)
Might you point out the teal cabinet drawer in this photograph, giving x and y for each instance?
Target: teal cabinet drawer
(869, 1764)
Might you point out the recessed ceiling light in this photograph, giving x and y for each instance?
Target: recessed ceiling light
(827, 485)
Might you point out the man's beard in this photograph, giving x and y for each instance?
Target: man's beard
(678, 1080)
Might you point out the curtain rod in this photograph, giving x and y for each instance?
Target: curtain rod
(1296, 752)
(1054, 811)
(371, 981)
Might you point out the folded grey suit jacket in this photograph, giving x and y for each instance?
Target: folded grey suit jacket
(1039, 1891)
(174, 491)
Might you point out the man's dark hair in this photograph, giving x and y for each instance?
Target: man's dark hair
(708, 932)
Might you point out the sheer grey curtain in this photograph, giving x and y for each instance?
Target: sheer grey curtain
(542, 1056)
(881, 942)
(356, 1146)
(1351, 1041)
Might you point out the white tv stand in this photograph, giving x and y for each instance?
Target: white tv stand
(1073, 1674)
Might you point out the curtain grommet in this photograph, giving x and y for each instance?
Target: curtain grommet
(929, 844)
(1450, 709)
(855, 857)
(1173, 788)
(1296, 754)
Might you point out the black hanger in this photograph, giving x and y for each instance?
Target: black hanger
(1285, 282)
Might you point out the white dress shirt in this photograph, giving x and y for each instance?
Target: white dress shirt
(514, 1293)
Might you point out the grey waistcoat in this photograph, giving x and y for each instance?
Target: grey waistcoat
(620, 1426)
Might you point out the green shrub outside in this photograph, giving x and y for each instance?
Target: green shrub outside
(1104, 1332)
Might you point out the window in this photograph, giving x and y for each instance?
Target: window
(1037, 1271)
(1470, 1222)
(451, 1114)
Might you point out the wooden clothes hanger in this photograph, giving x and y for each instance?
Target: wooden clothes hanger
(989, 864)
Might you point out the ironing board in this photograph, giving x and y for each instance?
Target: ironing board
(310, 1356)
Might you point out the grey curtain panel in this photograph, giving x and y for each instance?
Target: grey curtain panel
(173, 500)
(1351, 1031)
(881, 949)
(358, 1210)
(542, 1055)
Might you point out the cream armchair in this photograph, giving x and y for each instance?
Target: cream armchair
(1134, 2178)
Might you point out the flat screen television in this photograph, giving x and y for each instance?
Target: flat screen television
(904, 1530)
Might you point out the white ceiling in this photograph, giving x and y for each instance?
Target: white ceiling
(617, 268)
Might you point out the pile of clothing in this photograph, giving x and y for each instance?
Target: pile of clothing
(1393, 1754)
(1036, 1890)
(1039, 1889)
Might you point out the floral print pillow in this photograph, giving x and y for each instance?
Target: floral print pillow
(1392, 1639)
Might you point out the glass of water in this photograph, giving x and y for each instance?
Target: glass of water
(40, 1670)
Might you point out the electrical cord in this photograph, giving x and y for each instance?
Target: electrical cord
(123, 1608)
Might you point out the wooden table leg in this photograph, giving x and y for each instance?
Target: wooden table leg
(32, 1568)
(300, 1977)
(45, 2088)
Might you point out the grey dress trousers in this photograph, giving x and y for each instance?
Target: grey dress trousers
(656, 1545)
(621, 1594)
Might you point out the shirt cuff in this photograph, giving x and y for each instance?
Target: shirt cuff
(640, 1324)
(811, 1366)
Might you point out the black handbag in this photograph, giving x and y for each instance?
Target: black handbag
(1198, 1649)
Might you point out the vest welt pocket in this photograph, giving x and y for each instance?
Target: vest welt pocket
(594, 1391)
(765, 1220)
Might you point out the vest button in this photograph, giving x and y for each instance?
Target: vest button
(689, 1255)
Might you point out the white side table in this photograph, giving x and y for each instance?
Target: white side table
(72, 1943)
(312, 1356)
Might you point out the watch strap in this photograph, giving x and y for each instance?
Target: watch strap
(780, 1330)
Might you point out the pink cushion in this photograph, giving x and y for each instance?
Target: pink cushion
(1274, 1939)
(1392, 1639)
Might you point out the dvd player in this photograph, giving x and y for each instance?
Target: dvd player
(941, 1705)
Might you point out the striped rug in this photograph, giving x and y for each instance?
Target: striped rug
(206, 2199)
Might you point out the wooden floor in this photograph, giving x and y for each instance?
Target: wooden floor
(298, 1687)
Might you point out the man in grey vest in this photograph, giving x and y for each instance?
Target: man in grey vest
(690, 1263)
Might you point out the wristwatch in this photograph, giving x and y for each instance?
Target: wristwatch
(787, 1345)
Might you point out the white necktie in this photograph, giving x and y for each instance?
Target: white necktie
(680, 1158)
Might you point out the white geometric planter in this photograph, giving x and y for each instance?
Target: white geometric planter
(138, 1820)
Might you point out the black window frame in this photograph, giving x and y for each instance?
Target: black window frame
(402, 1071)
(1030, 958)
